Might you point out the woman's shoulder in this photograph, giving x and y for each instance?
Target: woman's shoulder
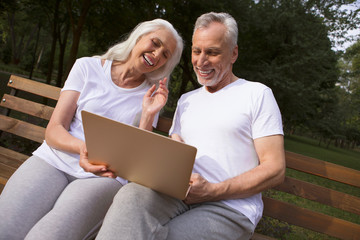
(88, 60)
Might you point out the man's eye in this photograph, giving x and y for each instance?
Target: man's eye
(213, 53)
(196, 52)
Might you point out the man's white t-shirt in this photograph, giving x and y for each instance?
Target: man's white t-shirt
(223, 126)
(99, 95)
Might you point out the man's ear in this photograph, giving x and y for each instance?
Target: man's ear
(235, 53)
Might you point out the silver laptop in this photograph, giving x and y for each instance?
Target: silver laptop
(140, 156)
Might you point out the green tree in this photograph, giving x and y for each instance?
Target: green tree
(78, 11)
(349, 95)
(287, 48)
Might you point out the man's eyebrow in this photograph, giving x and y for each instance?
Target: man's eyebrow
(206, 49)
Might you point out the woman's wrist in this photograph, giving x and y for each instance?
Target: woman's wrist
(147, 119)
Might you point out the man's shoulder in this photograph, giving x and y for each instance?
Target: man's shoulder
(191, 93)
(242, 83)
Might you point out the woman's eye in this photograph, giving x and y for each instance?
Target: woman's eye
(156, 43)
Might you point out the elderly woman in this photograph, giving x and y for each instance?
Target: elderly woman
(57, 193)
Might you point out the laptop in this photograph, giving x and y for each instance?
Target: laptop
(140, 156)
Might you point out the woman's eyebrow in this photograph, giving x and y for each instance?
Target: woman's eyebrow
(164, 45)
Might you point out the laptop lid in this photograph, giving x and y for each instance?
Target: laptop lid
(140, 156)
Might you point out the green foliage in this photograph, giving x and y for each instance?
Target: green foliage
(282, 43)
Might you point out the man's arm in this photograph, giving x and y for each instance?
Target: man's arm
(270, 172)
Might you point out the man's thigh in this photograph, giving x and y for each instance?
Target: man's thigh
(210, 221)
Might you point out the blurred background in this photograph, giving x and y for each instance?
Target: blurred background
(306, 51)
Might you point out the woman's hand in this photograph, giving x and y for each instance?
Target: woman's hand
(154, 101)
(100, 170)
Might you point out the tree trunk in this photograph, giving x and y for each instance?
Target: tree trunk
(62, 43)
(53, 43)
(76, 30)
(34, 54)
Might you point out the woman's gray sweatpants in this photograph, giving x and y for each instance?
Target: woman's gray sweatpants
(41, 202)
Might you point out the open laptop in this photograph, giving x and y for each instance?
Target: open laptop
(140, 156)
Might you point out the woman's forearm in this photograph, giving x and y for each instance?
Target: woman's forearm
(59, 138)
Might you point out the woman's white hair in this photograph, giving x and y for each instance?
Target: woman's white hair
(122, 50)
(231, 26)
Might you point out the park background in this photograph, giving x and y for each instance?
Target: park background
(302, 49)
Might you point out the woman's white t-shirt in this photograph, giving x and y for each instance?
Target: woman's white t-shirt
(223, 126)
(99, 95)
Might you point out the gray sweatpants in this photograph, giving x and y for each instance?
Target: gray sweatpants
(139, 213)
(41, 202)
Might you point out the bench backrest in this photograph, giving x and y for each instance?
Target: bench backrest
(274, 208)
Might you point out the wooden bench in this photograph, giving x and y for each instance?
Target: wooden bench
(27, 119)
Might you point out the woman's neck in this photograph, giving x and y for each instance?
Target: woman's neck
(125, 76)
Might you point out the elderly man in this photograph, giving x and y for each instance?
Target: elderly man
(236, 127)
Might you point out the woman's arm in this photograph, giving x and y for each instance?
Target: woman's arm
(57, 133)
(153, 102)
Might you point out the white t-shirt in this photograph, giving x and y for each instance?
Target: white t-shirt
(100, 95)
(223, 126)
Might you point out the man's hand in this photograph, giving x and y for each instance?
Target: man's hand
(200, 190)
(100, 170)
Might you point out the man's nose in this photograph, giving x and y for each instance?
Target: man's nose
(202, 60)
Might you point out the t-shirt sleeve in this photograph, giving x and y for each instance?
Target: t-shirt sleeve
(176, 127)
(267, 117)
(156, 119)
(76, 78)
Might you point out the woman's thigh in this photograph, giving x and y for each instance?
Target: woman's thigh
(79, 210)
(30, 193)
(210, 221)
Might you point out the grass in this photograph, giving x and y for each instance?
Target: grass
(310, 147)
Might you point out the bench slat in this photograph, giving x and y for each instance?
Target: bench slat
(6, 171)
(320, 194)
(11, 158)
(26, 106)
(41, 89)
(164, 124)
(3, 181)
(315, 221)
(323, 169)
(258, 236)
(21, 128)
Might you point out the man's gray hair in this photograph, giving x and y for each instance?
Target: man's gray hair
(232, 29)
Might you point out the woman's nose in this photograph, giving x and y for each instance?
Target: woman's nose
(158, 52)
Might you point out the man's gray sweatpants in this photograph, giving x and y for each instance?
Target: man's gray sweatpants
(139, 213)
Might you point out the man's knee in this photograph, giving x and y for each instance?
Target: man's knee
(133, 193)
